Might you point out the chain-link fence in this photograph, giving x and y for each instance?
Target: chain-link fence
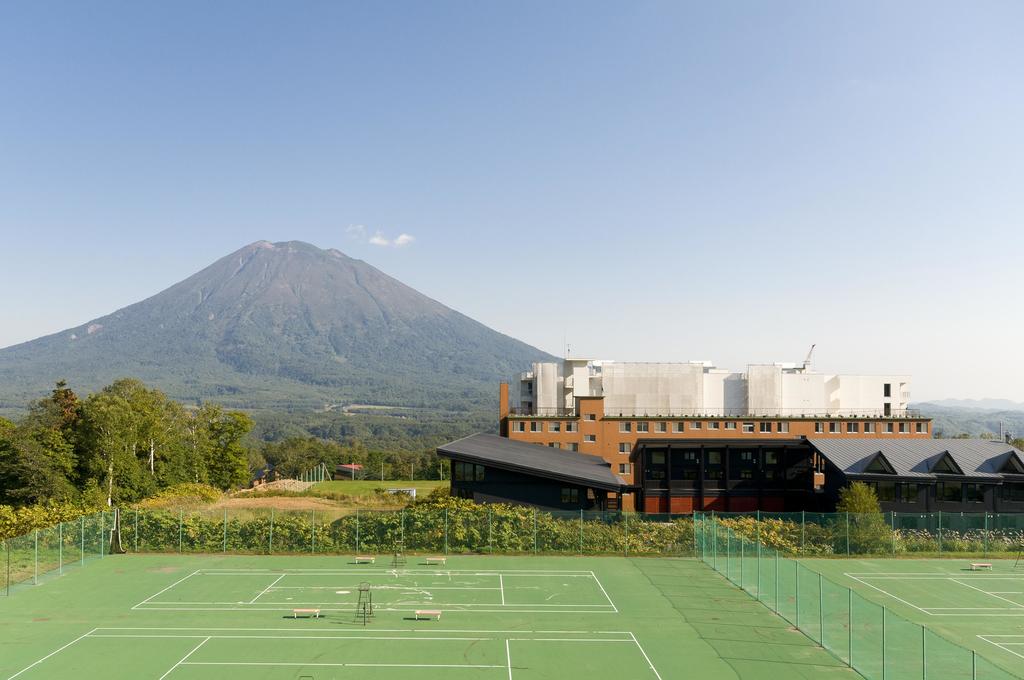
(868, 637)
(881, 534)
(32, 558)
(480, 529)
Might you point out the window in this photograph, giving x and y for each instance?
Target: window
(625, 426)
(886, 491)
(748, 428)
(819, 428)
(624, 447)
(589, 416)
(903, 428)
(950, 492)
(685, 465)
(570, 496)
(553, 445)
(554, 426)
(695, 425)
(833, 428)
(974, 493)
(655, 465)
(713, 424)
(573, 446)
(888, 428)
(1013, 493)
(773, 466)
(534, 426)
(764, 427)
(908, 493)
(879, 466)
(572, 427)
(467, 472)
(783, 427)
(519, 426)
(887, 409)
(623, 468)
(852, 428)
(921, 428)
(661, 427)
(590, 438)
(869, 428)
(713, 468)
(730, 425)
(742, 464)
(677, 427)
(887, 390)
(643, 426)
(946, 466)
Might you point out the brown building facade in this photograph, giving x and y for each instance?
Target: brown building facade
(589, 429)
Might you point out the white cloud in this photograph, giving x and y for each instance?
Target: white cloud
(360, 233)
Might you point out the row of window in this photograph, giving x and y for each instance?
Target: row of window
(949, 492)
(762, 427)
(686, 465)
(467, 472)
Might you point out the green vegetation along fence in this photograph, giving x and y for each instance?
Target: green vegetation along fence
(42, 553)
(880, 534)
(493, 529)
(869, 638)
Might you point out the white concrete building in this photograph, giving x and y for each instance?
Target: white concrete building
(698, 388)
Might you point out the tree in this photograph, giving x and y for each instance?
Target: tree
(858, 498)
(227, 461)
(866, 530)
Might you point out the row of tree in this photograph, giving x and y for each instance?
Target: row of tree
(119, 445)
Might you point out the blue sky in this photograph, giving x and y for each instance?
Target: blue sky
(651, 180)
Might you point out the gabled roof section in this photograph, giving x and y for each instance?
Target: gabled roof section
(534, 459)
(917, 458)
(1013, 465)
(878, 465)
(945, 465)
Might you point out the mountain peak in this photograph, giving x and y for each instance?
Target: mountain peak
(284, 323)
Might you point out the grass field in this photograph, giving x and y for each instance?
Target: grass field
(977, 609)
(366, 487)
(528, 618)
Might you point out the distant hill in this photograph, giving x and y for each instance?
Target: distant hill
(983, 404)
(279, 326)
(950, 421)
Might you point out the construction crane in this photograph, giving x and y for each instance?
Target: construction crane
(807, 361)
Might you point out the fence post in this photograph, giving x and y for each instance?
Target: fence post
(883, 643)
(626, 550)
(490, 531)
(103, 527)
(581, 531)
(940, 530)
(974, 665)
(796, 573)
(892, 531)
(225, 530)
(847, 534)
(35, 569)
(270, 544)
(137, 529)
(728, 554)
(776, 581)
(180, 516)
(535, 531)
(401, 531)
(742, 541)
(60, 548)
(7, 551)
(312, 537)
(821, 612)
(445, 531)
(924, 653)
(849, 627)
(803, 525)
(985, 535)
(83, 540)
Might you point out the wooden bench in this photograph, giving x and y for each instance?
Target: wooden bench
(365, 559)
(428, 614)
(313, 613)
(435, 560)
(975, 566)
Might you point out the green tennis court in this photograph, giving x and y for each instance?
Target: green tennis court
(526, 618)
(977, 607)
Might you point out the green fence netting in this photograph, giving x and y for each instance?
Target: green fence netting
(875, 642)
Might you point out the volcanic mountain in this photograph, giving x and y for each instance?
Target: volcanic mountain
(278, 325)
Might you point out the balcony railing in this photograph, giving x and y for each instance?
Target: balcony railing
(653, 413)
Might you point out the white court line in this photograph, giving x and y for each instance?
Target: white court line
(338, 665)
(253, 600)
(475, 572)
(1016, 605)
(411, 603)
(450, 608)
(184, 658)
(508, 659)
(594, 576)
(167, 588)
(899, 599)
(1001, 646)
(51, 654)
(501, 584)
(377, 630)
(655, 670)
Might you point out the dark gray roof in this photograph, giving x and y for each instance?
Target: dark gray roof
(915, 457)
(534, 459)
